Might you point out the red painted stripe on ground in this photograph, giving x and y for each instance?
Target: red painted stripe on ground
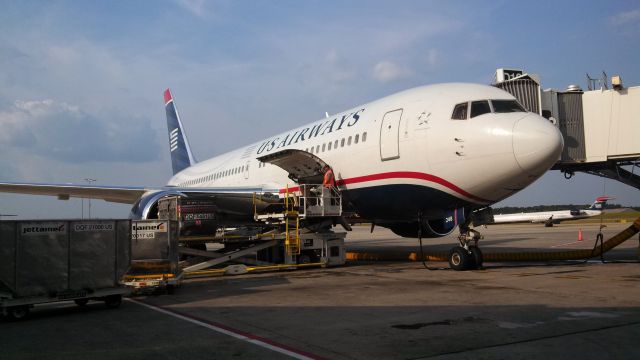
(224, 329)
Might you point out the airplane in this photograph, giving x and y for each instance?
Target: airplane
(553, 217)
(420, 162)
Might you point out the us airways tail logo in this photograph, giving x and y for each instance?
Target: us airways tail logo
(173, 139)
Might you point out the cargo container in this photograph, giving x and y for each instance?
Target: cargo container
(60, 260)
(154, 256)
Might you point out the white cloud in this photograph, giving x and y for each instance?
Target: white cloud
(196, 7)
(386, 71)
(333, 57)
(626, 17)
(64, 132)
(433, 57)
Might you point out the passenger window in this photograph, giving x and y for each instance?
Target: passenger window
(329, 146)
(364, 136)
(342, 143)
(317, 149)
(311, 150)
(460, 112)
(335, 144)
(355, 140)
(323, 147)
(349, 141)
(479, 107)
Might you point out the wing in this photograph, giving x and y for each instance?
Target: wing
(118, 194)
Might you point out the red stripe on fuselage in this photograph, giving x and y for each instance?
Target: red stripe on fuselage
(402, 175)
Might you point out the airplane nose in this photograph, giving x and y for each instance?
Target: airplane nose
(537, 144)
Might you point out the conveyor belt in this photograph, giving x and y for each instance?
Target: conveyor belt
(505, 256)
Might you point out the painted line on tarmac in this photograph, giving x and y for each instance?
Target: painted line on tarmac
(240, 335)
(571, 243)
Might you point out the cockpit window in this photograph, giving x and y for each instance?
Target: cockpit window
(506, 106)
(460, 112)
(479, 107)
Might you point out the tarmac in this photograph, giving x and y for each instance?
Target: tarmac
(370, 310)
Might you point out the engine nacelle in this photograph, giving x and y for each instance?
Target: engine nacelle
(430, 228)
(147, 206)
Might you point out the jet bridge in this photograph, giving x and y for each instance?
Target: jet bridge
(600, 126)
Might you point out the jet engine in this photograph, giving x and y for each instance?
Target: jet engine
(431, 228)
(230, 208)
(147, 206)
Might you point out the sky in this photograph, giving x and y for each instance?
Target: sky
(81, 81)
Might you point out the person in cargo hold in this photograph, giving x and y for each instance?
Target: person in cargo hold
(329, 179)
(328, 182)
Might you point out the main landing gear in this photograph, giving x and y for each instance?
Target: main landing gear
(467, 256)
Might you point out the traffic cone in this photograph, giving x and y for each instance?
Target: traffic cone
(580, 235)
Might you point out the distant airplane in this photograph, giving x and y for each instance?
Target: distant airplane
(553, 217)
(419, 161)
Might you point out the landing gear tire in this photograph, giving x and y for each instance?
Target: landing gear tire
(113, 301)
(81, 302)
(304, 259)
(460, 259)
(17, 313)
(476, 254)
(171, 289)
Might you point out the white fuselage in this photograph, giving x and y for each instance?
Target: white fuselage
(403, 153)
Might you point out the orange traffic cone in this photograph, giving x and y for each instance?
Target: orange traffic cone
(580, 235)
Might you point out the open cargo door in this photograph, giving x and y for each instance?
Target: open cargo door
(303, 167)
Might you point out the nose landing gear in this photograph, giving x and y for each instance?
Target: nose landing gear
(468, 255)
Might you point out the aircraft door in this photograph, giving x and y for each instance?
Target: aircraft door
(246, 170)
(389, 135)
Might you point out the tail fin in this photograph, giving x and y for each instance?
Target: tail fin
(181, 156)
(600, 203)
